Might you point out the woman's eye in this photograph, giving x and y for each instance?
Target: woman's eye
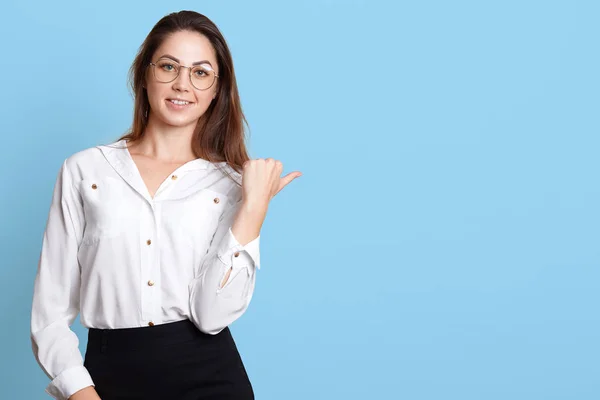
(200, 73)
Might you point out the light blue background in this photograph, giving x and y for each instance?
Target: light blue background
(443, 240)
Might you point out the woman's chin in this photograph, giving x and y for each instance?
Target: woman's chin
(175, 121)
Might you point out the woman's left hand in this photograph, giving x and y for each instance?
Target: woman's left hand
(262, 180)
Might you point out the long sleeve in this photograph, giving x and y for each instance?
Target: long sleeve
(213, 307)
(56, 293)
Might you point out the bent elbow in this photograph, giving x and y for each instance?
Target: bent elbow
(207, 324)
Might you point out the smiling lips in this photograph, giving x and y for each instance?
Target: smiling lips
(179, 102)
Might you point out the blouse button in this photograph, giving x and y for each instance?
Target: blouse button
(151, 323)
(148, 242)
(150, 283)
(173, 177)
(94, 186)
(237, 253)
(216, 200)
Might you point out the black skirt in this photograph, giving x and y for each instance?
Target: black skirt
(172, 361)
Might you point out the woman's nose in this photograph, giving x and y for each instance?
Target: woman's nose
(183, 80)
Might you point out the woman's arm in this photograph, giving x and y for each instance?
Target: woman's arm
(225, 283)
(56, 293)
(222, 291)
(246, 227)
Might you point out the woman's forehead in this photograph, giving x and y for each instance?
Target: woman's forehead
(187, 47)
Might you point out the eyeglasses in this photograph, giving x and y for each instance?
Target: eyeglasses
(202, 76)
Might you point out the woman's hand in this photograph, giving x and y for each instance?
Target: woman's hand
(87, 393)
(261, 181)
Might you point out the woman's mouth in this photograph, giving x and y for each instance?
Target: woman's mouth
(178, 104)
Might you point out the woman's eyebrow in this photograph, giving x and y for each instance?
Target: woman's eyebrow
(177, 60)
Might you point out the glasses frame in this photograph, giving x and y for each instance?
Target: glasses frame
(179, 71)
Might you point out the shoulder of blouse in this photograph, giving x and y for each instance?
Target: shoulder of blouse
(83, 160)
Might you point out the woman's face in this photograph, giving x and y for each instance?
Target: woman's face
(184, 48)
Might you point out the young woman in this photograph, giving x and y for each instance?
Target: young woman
(154, 239)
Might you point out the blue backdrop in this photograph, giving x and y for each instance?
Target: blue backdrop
(443, 240)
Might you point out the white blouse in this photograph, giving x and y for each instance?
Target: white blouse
(123, 259)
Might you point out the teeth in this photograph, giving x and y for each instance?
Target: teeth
(179, 102)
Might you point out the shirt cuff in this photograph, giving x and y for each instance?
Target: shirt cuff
(68, 382)
(232, 253)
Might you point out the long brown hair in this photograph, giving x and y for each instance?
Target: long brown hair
(219, 136)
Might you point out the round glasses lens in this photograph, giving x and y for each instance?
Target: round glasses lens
(202, 77)
(166, 70)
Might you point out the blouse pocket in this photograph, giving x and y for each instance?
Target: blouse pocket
(198, 217)
(105, 208)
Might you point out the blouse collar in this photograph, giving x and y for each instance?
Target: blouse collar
(118, 156)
